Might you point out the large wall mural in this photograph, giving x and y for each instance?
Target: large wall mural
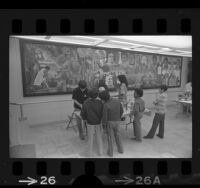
(52, 68)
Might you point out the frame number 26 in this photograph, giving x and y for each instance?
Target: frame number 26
(48, 180)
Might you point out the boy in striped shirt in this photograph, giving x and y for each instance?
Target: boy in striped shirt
(160, 110)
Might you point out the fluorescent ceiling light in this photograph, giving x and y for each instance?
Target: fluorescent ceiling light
(126, 49)
(86, 37)
(143, 50)
(166, 49)
(122, 42)
(182, 51)
(109, 45)
(146, 46)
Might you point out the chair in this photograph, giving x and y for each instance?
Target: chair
(71, 118)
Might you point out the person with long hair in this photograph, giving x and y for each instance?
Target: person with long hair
(122, 90)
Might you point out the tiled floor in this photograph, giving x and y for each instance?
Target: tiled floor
(54, 141)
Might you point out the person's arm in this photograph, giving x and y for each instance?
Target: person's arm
(105, 114)
(74, 97)
(157, 99)
(121, 110)
(135, 109)
(79, 104)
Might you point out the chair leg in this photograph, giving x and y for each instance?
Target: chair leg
(70, 120)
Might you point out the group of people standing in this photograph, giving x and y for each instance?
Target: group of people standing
(101, 113)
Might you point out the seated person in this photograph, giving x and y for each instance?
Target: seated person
(80, 94)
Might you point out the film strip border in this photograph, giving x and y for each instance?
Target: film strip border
(113, 26)
(128, 22)
(111, 172)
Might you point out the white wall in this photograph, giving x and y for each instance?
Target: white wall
(40, 113)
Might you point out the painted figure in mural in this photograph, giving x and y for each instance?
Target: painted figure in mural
(165, 79)
(109, 80)
(144, 63)
(63, 60)
(154, 61)
(111, 59)
(165, 69)
(125, 59)
(150, 80)
(39, 55)
(172, 80)
(132, 59)
(96, 79)
(101, 60)
(170, 67)
(177, 72)
(40, 80)
(159, 71)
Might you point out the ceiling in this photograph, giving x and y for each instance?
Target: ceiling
(169, 45)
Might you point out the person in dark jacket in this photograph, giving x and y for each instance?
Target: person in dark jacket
(112, 112)
(91, 112)
(80, 94)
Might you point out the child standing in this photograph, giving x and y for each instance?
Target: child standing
(159, 118)
(112, 112)
(137, 111)
(91, 112)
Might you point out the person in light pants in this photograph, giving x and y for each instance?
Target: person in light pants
(112, 113)
(91, 113)
(160, 110)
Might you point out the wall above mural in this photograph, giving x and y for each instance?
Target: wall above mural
(51, 68)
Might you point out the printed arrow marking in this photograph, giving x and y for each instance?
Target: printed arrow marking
(30, 181)
(126, 180)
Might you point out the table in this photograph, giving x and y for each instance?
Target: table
(128, 111)
(182, 102)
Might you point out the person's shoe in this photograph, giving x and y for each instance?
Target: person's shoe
(159, 136)
(147, 137)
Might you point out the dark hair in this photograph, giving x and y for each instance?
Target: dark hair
(93, 93)
(47, 67)
(163, 87)
(104, 95)
(102, 84)
(139, 91)
(82, 84)
(122, 79)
